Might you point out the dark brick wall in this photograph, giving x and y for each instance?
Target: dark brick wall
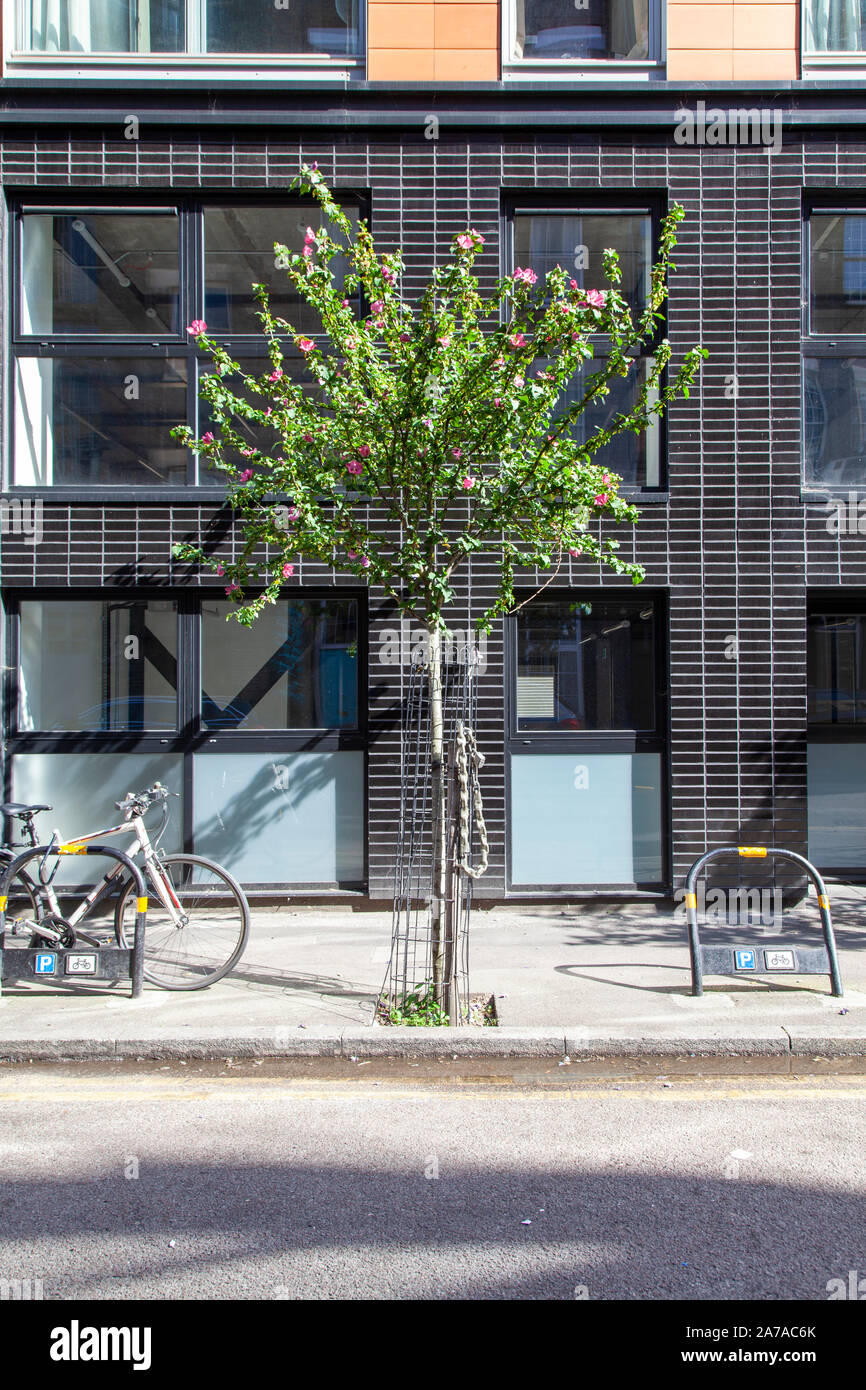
(734, 548)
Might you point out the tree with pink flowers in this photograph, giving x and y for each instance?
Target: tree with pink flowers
(443, 415)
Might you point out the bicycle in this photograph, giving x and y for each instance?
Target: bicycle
(198, 918)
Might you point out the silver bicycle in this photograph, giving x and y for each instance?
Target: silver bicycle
(198, 917)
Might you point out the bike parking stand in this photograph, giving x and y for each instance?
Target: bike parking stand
(74, 962)
(749, 959)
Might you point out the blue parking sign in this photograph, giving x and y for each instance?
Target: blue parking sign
(745, 960)
(45, 963)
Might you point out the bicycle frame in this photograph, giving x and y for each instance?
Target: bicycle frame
(141, 845)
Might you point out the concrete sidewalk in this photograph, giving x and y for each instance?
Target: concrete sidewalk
(591, 979)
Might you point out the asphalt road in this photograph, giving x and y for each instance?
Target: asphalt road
(222, 1182)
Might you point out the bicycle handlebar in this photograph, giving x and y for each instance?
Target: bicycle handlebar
(136, 803)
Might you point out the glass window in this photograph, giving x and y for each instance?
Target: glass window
(835, 419)
(99, 420)
(835, 26)
(585, 664)
(601, 822)
(577, 241)
(282, 817)
(313, 27)
(837, 668)
(838, 273)
(98, 665)
(600, 29)
(105, 273)
(296, 668)
(239, 252)
(635, 457)
(105, 26)
(327, 27)
(82, 788)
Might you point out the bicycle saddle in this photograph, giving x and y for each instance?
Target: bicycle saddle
(17, 808)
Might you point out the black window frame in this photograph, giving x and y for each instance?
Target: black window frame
(589, 741)
(815, 344)
(827, 603)
(190, 210)
(191, 736)
(565, 202)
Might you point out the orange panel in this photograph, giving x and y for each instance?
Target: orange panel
(765, 26)
(763, 63)
(466, 65)
(466, 26)
(700, 26)
(400, 65)
(407, 25)
(697, 64)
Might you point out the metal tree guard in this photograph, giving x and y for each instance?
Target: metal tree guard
(410, 966)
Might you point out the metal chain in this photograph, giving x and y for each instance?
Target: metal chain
(468, 762)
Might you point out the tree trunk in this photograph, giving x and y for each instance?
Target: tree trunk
(439, 779)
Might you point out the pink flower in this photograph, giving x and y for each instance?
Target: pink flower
(543, 376)
(207, 438)
(354, 466)
(428, 422)
(468, 482)
(220, 569)
(601, 499)
(497, 401)
(477, 235)
(445, 339)
(309, 235)
(405, 337)
(519, 382)
(247, 453)
(245, 476)
(268, 413)
(288, 571)
(197, 327)
(306, 344)
(292, 514)
(573, 285)
(465, 241)
(596, 298)
(232, 588)
(605, 479)
(350, 343)
(388, 276)
(517, 340)
(458, 453)
(575, 552)
(364, 451)
(344, 304)
(276, 374)
(364, 562)
(377, 306)
(524, 277)
(314, 166)
(308, 252)
(499, 362)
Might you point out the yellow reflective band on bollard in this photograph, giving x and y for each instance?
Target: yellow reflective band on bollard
(141, 904)
(752, 852)
(72, 849)
(691, 900)
(823, 901)
(3, 902)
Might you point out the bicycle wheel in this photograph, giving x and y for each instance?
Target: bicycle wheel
(213, 933)
(24, 909)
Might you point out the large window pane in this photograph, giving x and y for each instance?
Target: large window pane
(239, 252)
(835, 26)
(105, 26)
(296, 668)
(835, 419)
(82, 789)
(837, 668)
(577, 242)
(282, 817)
(325, 27)
(635, 457)
(600, 29)
(107, 273)
(837, 805)
(601, 821)
(98, 665)
(586, 664)
(101, 420)
(838, 273)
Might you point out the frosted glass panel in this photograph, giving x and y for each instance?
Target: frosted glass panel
(82, 789)
(282, 818)
(585, 818)
(837, 805)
